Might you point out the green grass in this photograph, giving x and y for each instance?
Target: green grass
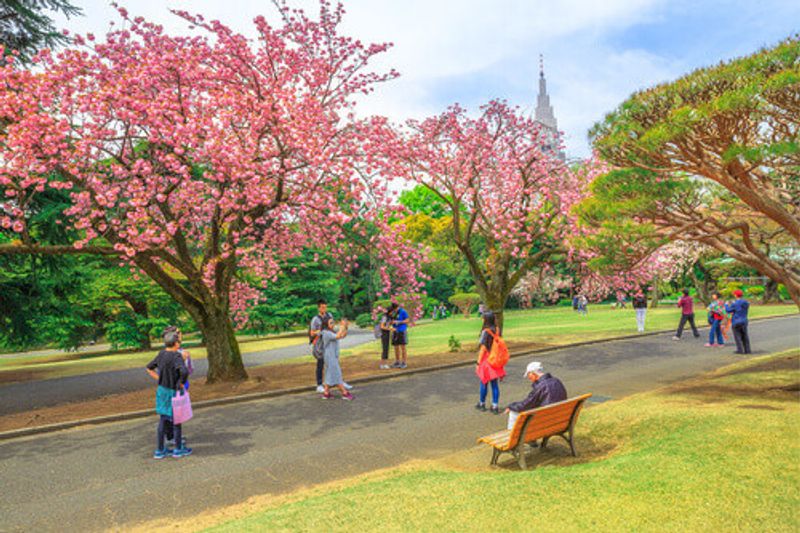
(703, 456)
(48, 367)
(554, 325)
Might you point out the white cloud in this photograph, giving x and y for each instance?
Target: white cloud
(467, 50)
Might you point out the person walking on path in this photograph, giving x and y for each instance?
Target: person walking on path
(716, 316)
(738, 309)
(687, 315)
(399, 335)
(171, 376)
(545, 390)
(488, 374)
(333, 370)
(385, 326)
(640, 308)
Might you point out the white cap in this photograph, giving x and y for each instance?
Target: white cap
(535, 366)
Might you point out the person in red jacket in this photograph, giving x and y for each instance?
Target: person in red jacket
(687, 315)
(488, 374)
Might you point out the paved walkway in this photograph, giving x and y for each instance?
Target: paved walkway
(103, 477)
(27, 395)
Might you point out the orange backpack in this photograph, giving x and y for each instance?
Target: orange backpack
(498, 356)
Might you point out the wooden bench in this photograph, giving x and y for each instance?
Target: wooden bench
(557, 419)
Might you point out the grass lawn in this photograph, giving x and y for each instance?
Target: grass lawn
(555, 325)
(71, 364)
(717, 453)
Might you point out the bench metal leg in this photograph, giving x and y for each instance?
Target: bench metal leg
(572, 444)
(495, 455)
(521, 456)
(544, 442)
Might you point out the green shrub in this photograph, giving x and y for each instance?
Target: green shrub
(465, 301)
(727, 291)
(364, 320)
(756, 291)
(453, 343)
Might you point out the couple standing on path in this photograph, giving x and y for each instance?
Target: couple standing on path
(325, 349)
(394, 328)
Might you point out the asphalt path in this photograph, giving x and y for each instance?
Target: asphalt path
(27, 395)
(103, 477)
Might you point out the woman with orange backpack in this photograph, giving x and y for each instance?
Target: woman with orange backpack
(492, 359)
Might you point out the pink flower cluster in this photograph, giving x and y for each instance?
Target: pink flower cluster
(207, 158)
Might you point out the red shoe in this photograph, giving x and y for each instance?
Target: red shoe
(348, 396)
(327, 396)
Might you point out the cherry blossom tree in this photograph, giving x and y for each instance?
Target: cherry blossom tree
(508, 193)
(203, 161)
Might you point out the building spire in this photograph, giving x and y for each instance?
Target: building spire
(544, 111)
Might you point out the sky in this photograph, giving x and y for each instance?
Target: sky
(596, 52)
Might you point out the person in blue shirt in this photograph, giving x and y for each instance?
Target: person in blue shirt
(738, 309)
(399, 334)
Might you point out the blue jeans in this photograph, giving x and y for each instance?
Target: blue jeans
(495, 392)
(716, 330)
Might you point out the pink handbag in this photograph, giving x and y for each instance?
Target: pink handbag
(181, 407)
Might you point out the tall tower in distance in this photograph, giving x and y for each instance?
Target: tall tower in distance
(544, 113)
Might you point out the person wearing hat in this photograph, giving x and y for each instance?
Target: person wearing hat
(545, 390)
(738, 309)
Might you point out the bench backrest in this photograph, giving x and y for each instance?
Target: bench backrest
(546, 421)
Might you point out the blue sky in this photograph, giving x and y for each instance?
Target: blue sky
(596, 52)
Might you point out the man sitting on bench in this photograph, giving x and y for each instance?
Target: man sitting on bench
(546, 389)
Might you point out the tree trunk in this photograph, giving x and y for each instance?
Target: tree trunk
(224, 358)
(496, 303)
(654, 295)
(770, 292)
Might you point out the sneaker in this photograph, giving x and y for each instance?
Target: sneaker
(396, 364)
(347, 385)
(320, 389)
(171, 442)
(480, 406)
(402, 365)
(384, 367)
(495, 410)
(160, 454)
(326, 395)
(676, 338)
(348, 397)
(181, 452)
(707, 345)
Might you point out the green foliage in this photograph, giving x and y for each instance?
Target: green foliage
(422, 200)
(453, 343)
(291, 301)
(25, 27)
(364, 320)
(465, 301)
(727, 291)
(755, 291)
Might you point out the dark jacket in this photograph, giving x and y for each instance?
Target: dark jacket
(545, 390)
(171, 369)
(639, 302)
(739, 309)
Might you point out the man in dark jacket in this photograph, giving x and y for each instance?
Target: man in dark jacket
(546, 389)
(739, 310)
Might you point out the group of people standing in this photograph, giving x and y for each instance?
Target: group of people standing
(324, 337)
(721, 316)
